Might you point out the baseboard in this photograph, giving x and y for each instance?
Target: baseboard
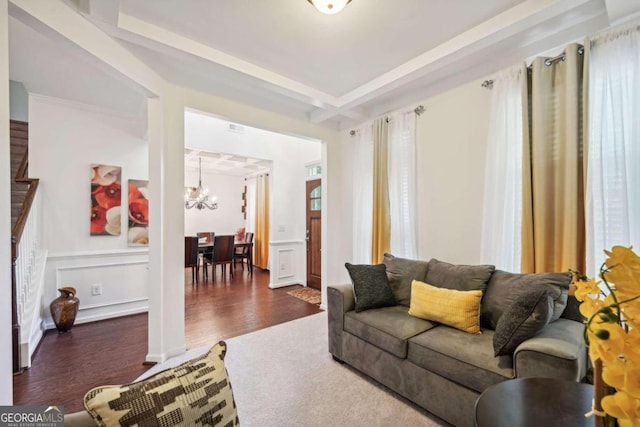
(103, 316)
(162, 357)
(27, 349)
(284, 284)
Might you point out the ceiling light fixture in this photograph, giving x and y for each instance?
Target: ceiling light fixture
(329, 7)
(197, 197)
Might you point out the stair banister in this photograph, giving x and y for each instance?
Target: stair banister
(18, 295)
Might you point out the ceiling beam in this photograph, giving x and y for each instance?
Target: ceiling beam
(58, 20)
(173, 40)
(321, 115)
(528, 18)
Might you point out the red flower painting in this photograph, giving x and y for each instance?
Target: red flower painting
(138, 213)
(106, 198)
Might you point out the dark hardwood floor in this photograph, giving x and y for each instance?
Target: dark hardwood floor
(112, 351)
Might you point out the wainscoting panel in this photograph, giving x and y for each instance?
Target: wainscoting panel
(109, 284)
(288, 263)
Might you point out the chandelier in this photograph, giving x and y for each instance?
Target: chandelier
(197, 197)
(329, 6)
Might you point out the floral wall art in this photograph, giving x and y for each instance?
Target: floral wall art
(105, 200)
(138, 213)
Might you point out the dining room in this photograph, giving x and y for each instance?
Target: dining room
(221, 208)
(277, 168)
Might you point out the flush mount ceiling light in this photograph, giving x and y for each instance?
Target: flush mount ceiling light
(329, 7)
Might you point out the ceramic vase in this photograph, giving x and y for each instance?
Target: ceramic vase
(64, 309)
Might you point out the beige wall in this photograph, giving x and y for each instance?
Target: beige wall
(452, 141)
(451, 146)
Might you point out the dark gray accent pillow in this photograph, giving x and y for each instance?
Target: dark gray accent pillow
(401, 272)
(458, 276)
(527, 315)
(572, 310)
(370, 286)
(505, 287)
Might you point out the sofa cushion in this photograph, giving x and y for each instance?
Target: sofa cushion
(458, 276)
(387, 328)
(526, 316)
(370, 286)
(401, 273)
(505, 287)
(463, 358)
(460, 309)
(196, 392)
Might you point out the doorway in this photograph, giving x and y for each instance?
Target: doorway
(314, 219)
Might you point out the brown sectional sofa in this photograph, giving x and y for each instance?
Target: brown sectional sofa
(443, 369)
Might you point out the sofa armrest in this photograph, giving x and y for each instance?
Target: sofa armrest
(340, 299)
(79, 419)
(558, 351)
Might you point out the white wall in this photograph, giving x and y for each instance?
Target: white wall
(228, 217)
(451, 139)
(19, 106)
(289, 155)
(65, 139)
(6, 379)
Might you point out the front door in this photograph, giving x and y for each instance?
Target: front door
(314, 215)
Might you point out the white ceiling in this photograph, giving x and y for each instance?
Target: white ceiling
(283, 55)
(222, 163)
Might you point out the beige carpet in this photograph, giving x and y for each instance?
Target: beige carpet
(285, 376)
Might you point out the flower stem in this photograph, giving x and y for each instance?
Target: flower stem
(598, 393)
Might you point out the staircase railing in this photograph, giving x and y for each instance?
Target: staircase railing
(23, 246)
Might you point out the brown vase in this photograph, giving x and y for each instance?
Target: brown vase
(64, 309)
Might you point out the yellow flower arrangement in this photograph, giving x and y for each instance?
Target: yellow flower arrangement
(612, 331)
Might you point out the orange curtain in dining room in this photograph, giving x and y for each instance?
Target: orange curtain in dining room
(381, 238)
(261, 237)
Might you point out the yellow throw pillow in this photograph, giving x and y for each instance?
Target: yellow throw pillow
(459, 309)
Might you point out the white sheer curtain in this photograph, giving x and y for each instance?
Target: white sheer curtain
(402, 184)
(501, 243)
(613, 167)
(362, 195)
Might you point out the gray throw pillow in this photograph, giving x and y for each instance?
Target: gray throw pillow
(458, 276)
(401, 272)
(505, 287)
(526, 316)
(370, 286)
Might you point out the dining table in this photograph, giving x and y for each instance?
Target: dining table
(207, 247)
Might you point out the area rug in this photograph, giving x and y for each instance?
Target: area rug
(284, 376)
(309, 295)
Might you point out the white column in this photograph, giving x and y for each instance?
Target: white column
(166, 227)
(6, 376)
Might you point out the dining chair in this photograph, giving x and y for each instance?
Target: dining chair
(191, 256)
(205, 244)
(244, 252)
(223, 251)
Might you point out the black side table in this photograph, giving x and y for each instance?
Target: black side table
(525, 402)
